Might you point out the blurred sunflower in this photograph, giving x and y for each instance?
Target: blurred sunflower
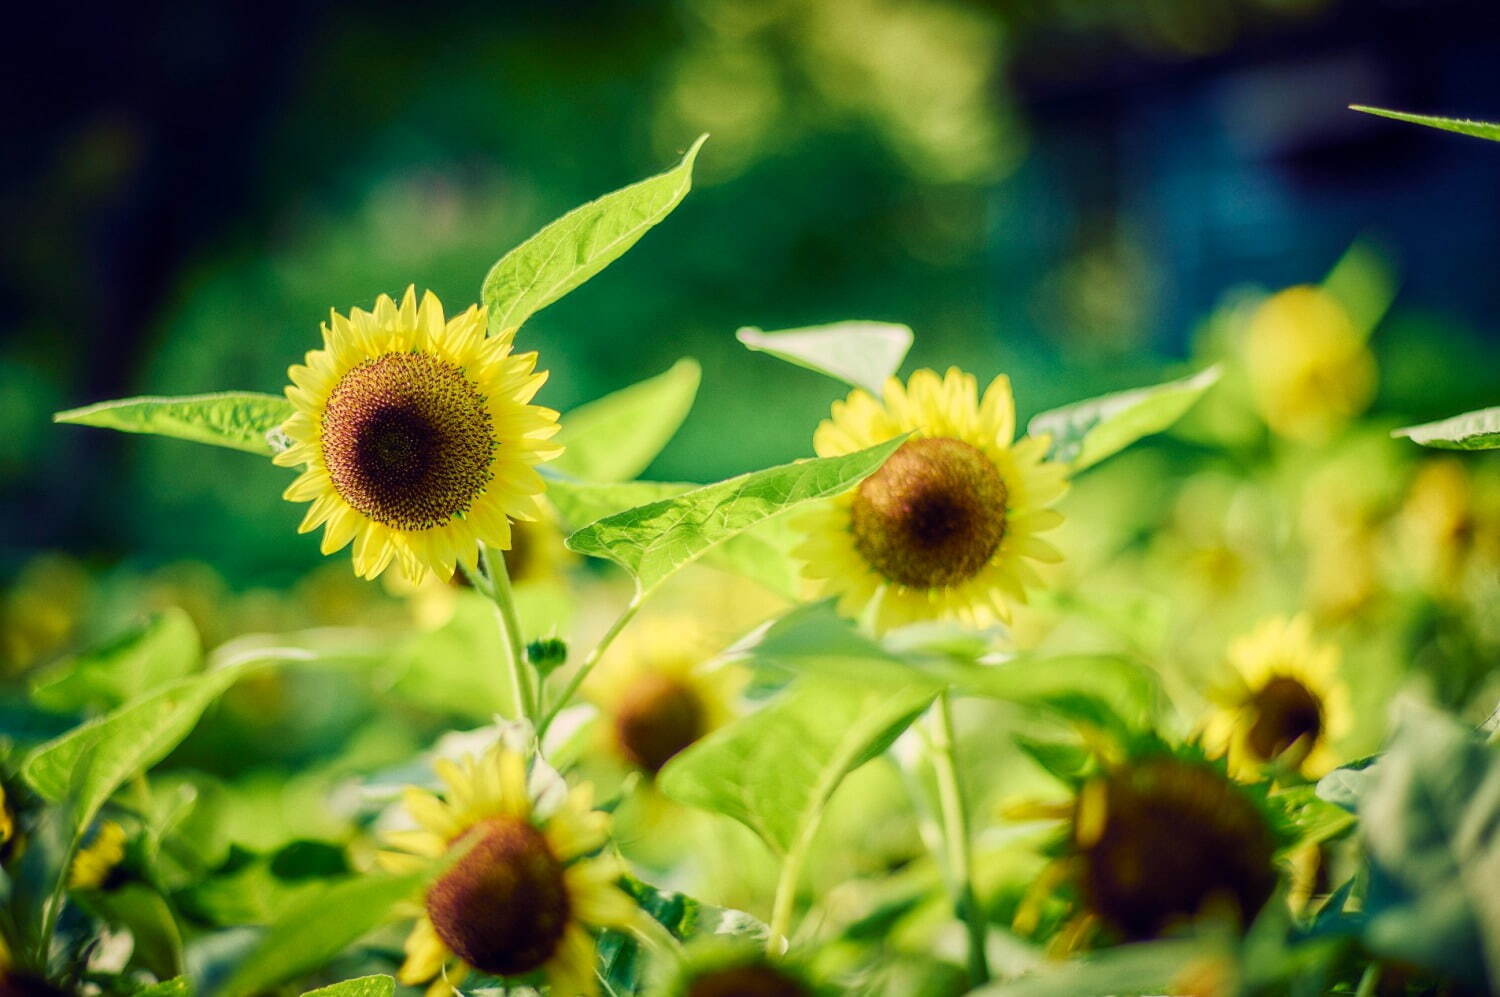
(1287, 703)
(523, 892)
(659, 691)
(947, 528)
(417, 435)
(720, 969)
(93, 865)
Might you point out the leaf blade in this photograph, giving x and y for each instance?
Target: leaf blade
(1477, 430)
(615, 437)
(1087, 432)
(859, 353)
(238, 420)
(1463, 126)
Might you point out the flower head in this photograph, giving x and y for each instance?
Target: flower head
(727, 969)
(519, 891)
(94, 865)
(417, 436)
(1288, 705)
(1310, 370)
(949, 526)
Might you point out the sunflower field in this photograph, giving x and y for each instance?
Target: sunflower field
(1186, 687)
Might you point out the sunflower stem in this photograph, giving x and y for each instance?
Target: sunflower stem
(786, 895)
(526, 704)
(956, 840)
(588, 665)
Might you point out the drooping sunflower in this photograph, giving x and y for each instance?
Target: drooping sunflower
(947, 528)
(526, 886)
(417, 435)
(1287, 703)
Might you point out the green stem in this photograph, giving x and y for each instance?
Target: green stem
(956, 838)
(786, 892)
(510, 626)
(1369, 981)
(588, 664)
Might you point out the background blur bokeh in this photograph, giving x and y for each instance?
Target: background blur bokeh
(1061, 190)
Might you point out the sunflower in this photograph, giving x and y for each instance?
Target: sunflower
(417, 435)
(1287, 704)
(660, 691)
(719, 968)
(94, 866)
(947, 528)
(523, 891)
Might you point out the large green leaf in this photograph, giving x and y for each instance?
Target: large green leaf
(1471, 431)
(1144, 968)
(863, 354)
(1086, 432)
(1067, 684)
(319, 928)
(775, 770)
(615, 437)
(152, 926)
(239, 420)
(1477, 129)
(652, 541)
(379, 985)
(581, 243)
(166, 647)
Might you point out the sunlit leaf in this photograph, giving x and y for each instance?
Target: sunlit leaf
(379, 985)
(1463, 126)
(615, 437)
(1086, 432)
(1144, 968)
(1314, 818)
(623, 964)
(775, 770)
(166, 647)
(1478, 430)
(863, 354)
(652, 541)
(319, 928)
(579, 503)
(581, 243)
(239, 420)
(177, 986)
(1070, 685)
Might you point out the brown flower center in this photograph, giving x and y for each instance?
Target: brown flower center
(407, 440)
(502, 908)
(746, 981)
(657, 717)
(932, 516)
(1285, 710)
(1177, 837)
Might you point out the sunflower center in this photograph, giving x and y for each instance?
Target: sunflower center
(745, 981)
(932, 516)
(1177, 837)
(407, 440)
(503, 907)
(657, 717)
(1285, 710)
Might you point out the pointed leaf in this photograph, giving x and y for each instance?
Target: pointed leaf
(863, 354)
(775, 770)
(580, 244)
(1463, 126)
(615, 437)
(652, 541)
(1471, 431)
(1086, 432)
(165, 648)
(239, 420)
(379, 985)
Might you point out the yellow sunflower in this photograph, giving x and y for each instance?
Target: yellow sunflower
(1309, 368)
(417, 435)
(93, 865)
(948, 527)
(1287, 703)
(660, 691)
(524, 891)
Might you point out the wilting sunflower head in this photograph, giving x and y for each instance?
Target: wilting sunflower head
(1310, 370)
(1164, 839)
(660, 691)
(1287, 706)
(417, 437)
(948, 527)
(517, 891)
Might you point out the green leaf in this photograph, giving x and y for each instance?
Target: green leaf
(581, 243)
(579, 503)
(1142, 968)
(621, 965)
(239, 420)
(1071, 685)
(1478, 430)
(378, 985)
(1476, 129)
(88, 763)
(166, 647)
(775, 770)
(652, 541)
(316, 930)
(158, 942)
(1086, 432)
(615, 437)
(1314, 818)
(178, 986)
(863, 354)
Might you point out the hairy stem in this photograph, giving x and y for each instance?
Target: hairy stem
(956, 842)
(498, 589)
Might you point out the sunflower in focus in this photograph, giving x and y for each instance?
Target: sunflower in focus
(524, 890)
(1310, 370)
(417, 436)
(660, 691)
(949, 526)
(1287, 705)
